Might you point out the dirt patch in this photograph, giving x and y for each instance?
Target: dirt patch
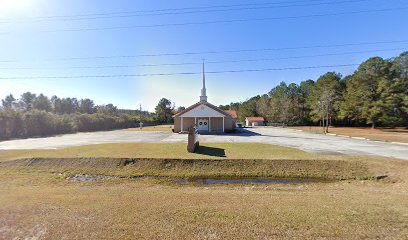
(193, 181)
(221, 181)
(89, 178)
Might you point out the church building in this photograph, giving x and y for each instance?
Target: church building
(207, 117)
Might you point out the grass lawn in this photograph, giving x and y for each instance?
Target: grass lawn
(172, 159)
(159, 128)
(37, 201)
(165, 150)
(381, 134)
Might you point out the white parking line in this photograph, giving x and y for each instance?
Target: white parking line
(359, 138)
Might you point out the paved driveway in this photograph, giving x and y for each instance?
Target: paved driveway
(309, 142)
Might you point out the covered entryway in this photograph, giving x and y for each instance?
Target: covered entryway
(202, 125)
(207, 118)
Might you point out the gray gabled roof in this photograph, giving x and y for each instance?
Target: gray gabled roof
(205, 103)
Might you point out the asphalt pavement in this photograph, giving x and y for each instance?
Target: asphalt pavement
(310, 142)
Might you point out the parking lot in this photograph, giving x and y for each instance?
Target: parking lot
(310, 142)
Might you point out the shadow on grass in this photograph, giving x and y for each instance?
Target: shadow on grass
(210, 151)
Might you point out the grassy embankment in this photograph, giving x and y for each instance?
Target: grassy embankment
(172, 160)
(379, 134)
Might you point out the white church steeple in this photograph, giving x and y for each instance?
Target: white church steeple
(203, 97)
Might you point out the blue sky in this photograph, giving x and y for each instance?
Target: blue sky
(29, 42)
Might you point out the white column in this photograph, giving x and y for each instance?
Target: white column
(181, 124)
(209, 124)
(195, 120)
(223, 124)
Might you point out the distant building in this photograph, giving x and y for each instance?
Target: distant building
(233, 114)
(254, 121)
(207, 117)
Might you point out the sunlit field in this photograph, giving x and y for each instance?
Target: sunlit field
(351, 197)
(229, 95)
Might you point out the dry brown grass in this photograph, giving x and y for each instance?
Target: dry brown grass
(321, 170)
(34, 202)
(40, 205)
(380, 134)
(229, 159)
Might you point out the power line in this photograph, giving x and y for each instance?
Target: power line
(225, 21)
(208, 62)
(128, 15)
(228, 51)
(223, 51)
(159, 10)
(172, 74)
(304, 56)
(164, 10)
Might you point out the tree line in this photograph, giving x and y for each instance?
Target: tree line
(376, 94)
(39, 115)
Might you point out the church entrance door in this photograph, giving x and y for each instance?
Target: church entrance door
(202, 125)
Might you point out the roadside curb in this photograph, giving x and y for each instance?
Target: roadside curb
(360, 138)
(342, 135)
(400, 143)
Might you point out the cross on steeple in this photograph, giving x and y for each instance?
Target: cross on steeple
(203, 97)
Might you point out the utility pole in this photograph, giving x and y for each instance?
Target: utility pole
(327, 123)
(322, 115)
(140, 117)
